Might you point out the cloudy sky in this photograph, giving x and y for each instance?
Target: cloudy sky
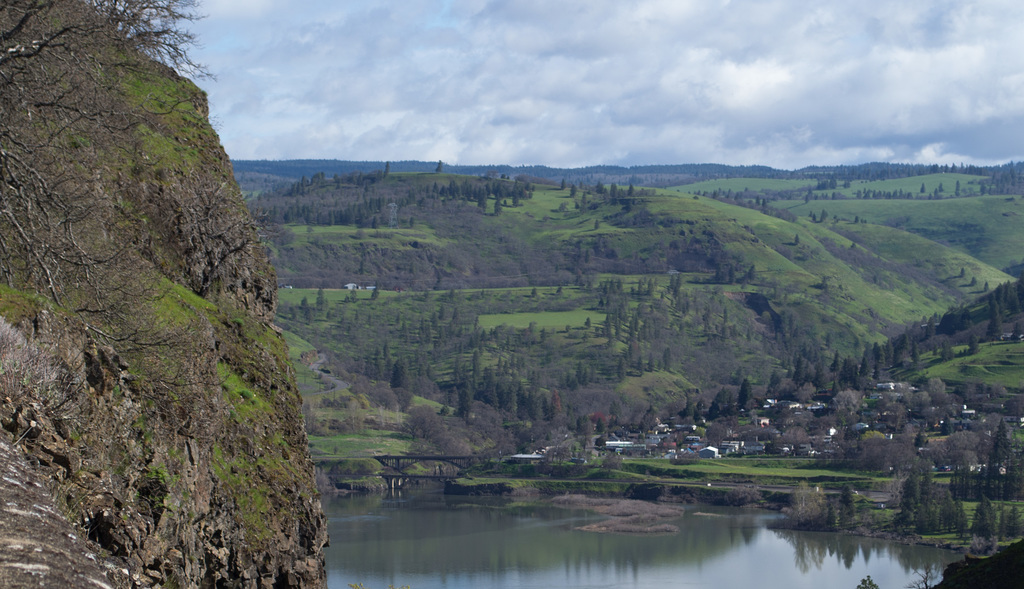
(785, 83)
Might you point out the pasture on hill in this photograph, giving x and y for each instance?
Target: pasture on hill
(502, 300)
(984, 227)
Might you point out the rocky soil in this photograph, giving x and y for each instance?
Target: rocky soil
(38, 546)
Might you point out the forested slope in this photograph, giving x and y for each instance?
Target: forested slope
(515, 297)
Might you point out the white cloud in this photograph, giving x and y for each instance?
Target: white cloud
(235, 9)
(576, 82)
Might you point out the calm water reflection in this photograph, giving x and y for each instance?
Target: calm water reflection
(429, 541)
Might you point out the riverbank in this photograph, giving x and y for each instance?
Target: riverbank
(869, 509)
(732, 495)
(623, 501)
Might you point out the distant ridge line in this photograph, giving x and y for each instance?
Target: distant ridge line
(640, 175)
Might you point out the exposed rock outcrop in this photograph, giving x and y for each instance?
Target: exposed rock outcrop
(196, 494)
(38, 547)
(140, 376)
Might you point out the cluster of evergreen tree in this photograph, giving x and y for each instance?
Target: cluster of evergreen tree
(869, 194)
(435, 338)
(362, 200)
(926, 508)
(999, 308)
(1000, 479)
(996, 522)
(1007, 179)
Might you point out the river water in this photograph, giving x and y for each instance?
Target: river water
(429, 541)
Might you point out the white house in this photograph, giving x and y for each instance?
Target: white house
(709, 452)
(730, 446)
(755, 448)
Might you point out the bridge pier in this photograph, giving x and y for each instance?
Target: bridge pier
(394, 481)
(447, 469)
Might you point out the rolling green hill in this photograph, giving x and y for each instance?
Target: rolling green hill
(985, 227)
(974, 345)
(497, 293)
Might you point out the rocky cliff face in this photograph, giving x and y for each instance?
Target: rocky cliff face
(39, 543)
(140, 377)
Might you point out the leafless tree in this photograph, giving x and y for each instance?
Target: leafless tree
(155, 28)
(925, 578)
(423, 423)
(28, 372)
(44, 67)
(60, 124)
(68, 142)
(221, 228)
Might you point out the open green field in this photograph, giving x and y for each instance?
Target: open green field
(549, 320)
(984, 227)
(546, 201)
(745, 185)
(765, 471)
(399, 237)
(324, 448)
(995, 363)
(333, 296)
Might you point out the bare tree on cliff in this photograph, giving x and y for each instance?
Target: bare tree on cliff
(45, 74)
(59, 123)
(154, 27)
(51, 104)
(67, 138)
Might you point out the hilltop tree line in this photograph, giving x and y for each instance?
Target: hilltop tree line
(1003, 179)
(362, 200)
(460, 210)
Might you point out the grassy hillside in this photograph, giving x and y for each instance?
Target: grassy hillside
(532, 302)
(974, 346)
(984, 227)
(995, 363)
(744, 185)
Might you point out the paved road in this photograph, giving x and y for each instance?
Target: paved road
(336, 384)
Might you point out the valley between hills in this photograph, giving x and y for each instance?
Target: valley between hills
(192, 349)
(857, 329)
